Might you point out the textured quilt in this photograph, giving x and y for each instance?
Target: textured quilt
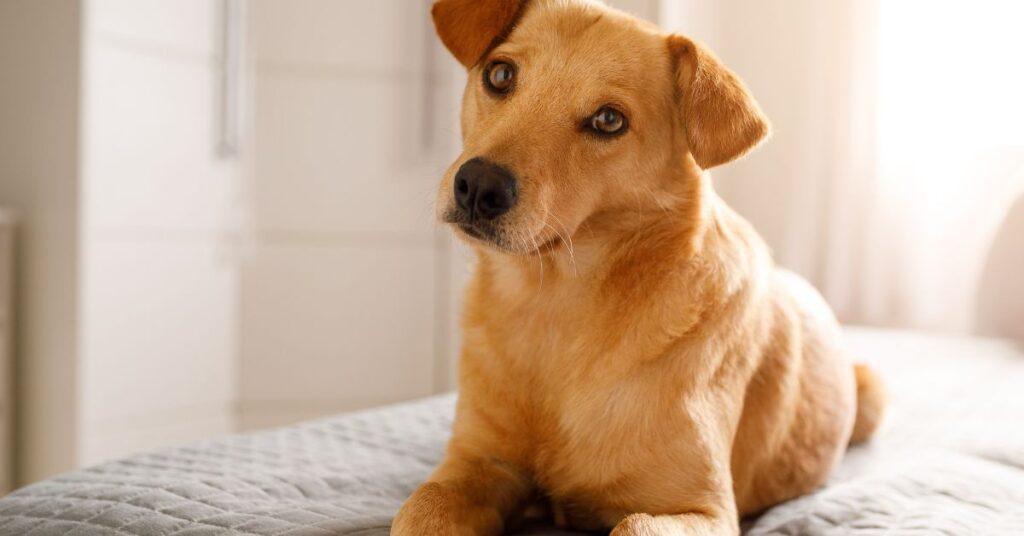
(950, 460)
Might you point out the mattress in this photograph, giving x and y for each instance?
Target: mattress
(950, 459)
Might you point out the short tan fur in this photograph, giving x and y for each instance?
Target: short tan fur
(631, 357)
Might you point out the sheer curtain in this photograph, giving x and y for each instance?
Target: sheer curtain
(898, 144)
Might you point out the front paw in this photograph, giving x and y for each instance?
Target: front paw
(641, 525)
(430, 511)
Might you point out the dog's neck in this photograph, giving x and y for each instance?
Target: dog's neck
(612, 243)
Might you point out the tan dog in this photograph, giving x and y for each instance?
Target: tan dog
(631, 357)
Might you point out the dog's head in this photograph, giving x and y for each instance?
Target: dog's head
(574, 110)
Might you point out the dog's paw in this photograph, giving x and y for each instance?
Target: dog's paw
(639, 525)
(428, 512)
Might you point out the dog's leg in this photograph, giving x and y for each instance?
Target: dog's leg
(464, 496)
(696, 524)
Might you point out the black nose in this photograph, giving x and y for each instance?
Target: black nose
(484, 189)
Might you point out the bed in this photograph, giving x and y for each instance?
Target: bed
(950, 459)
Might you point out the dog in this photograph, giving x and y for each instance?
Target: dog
(631, 357)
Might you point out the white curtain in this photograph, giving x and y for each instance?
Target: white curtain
(898, 146)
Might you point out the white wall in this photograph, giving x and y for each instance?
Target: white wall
(159, 282)
(39, 112)
(341, 295)
(127, 291)
(647, 9)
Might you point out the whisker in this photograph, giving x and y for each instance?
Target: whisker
(568, 247)
(567, 240)
(540, 260)
(523, 246)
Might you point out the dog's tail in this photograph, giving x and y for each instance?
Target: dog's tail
(871, 401)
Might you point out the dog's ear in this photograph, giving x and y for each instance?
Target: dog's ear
(469, 28)
(721, 119)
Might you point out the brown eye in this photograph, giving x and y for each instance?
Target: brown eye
(608, 122)
(499, 77)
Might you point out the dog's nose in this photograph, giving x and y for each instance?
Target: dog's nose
(484, 189)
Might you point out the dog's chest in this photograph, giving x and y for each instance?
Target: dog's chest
(596, 422)
(613, 449)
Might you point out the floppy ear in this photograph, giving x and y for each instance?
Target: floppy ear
(469, 28)
(722, 120)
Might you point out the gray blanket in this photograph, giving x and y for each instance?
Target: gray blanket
(950, 460)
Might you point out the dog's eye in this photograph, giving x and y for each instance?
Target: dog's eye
(608, 122)
(499, 77)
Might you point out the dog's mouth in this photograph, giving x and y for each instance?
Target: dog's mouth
(486, 235)
(491, 235)
(495, 239)
(481, 231)
(473, 232)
